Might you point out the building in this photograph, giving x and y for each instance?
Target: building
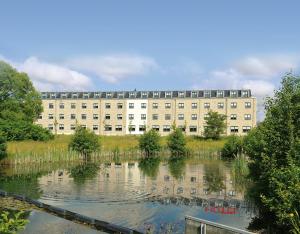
(133, 112)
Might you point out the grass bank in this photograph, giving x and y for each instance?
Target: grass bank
(57, 149)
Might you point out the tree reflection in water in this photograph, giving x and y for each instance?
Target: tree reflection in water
(177, 166)
(83, 172)
(150, 166)
(214, 177)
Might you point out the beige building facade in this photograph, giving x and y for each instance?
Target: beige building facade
(133, 112)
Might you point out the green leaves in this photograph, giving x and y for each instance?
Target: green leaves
(177, 142)
(215, 125)
(149, 142)
(11, 224)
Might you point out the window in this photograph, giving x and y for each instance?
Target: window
(73, 105)
(118, 128)
(119, 105)
(83, 126)
(61, 127)
(182, 127)
(193, 179)
(61, 106)
(73, 116)
(206, 116)
(247, 117)
(108, 95)
(194, 94)
(86, 96)
(83, 105)
(246, 128)
(132, 95)
(181, 94)
(233, 105)
(167, 117)
(168, 105)
(142, 128)
(247, 104)
(245, 93)
(155, 117)
(107, 116)
(143, 105)
(51, 106)
(50, 116)
(207, 94)
(144, 94)
(131, 128)
(233, 117)
(181, 105)
(180, 116)
(220, 94)
(107, 105)
(74, 95)
(83, 116)
(155, 127)
(97, 95)
(220, 105)
(72, 126)
(50, 126)
(154, 105)
(131, 105)
(61, 116)
(206, 105)
(233, 93)
(40, 117)
(193, 128)
(194, 117)
(166, 128)
(234, 129)
(95, 116)
(107, 128)
(194, 105)
(168, 94)
(131, 116)
(143, 116)
(95, 105)
(119, 116)
(95, 127)
(156, 94)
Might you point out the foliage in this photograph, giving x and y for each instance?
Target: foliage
(149, 166)
(273, 148)
(149, 142)
(232, 148)
(83, 172)
(3, 146)
(239, 173)
(214, 177)
(215, 125)
(176, 142)
(11, 224)
(84, 141)
(295, 219)
(177, 166)
(20, 106)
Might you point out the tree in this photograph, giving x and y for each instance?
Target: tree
(85, 142)
(3, 146)
(176, 142)
(20, 106)
(215, 125)
(149, 142)
(274, 168)
(232, 147)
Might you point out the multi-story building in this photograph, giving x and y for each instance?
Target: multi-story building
(133, 112)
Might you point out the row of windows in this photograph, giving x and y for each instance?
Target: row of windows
(141, 128)
(143, 116)
(220, 105)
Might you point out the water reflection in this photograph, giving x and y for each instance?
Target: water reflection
(149, 166)
(177, 167)
(214, 178)
(82, 172)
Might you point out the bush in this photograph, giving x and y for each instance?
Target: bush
(12, 223)
(215, 125)
(176, 142)
(85, 142)
(149, 142)
(3, 146)
(232, 147)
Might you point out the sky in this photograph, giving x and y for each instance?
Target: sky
(152, 45)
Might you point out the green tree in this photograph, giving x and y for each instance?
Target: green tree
(215, 125)
(176, 142)
(85, 142)
(149, 142)
(20, 106)
(274, 168)
(233, 147)
(3, 146)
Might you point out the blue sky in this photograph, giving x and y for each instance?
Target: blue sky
(113, 45)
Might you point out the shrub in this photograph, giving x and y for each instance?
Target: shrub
(3, 146)
(149, 142)
(215, 125)
(85, 142)
(11, 224)
(232, 147)
(176, 142)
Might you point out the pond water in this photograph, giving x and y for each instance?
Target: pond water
(141, 194)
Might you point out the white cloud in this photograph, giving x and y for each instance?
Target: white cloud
(114, 68)
(51, 77)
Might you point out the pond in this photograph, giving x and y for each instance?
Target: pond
(147, 194)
